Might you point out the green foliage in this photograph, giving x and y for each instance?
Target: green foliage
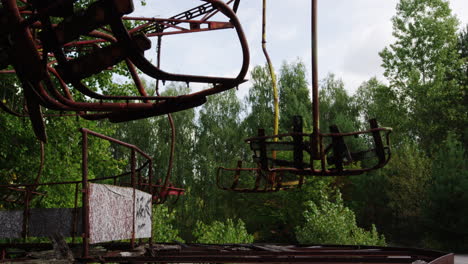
(422, 67)
(425, 32)
(376, 100)
(163, 225)
(20, 153)
(294, 95)
(330, 222)
(407, 181)
(259, 102)
(336, 106)
(448, 200)
(222, 232)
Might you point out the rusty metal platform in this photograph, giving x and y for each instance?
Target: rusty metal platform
(250, 253)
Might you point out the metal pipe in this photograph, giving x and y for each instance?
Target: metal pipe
(273, 78)
(85, 190)
(315, 89)
(133, 180)
(75, 214)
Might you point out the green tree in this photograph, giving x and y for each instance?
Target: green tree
(164, 229)
(407, 181)
(222, 232)
(374, 99)
(448, 200)
(20, 156)
(219, 142)
(418, 66)
(330, 222)
(337, 106)
(259, 103)
(294, 95)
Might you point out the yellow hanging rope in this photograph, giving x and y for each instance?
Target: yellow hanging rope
(273, 79)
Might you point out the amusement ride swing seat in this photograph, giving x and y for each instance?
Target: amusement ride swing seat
(33, 62)
(336, 159)
(275, 172)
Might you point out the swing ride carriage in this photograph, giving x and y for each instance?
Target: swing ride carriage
(51, 48)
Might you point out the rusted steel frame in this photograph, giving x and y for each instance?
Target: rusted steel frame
(180, 30)
(41, 166)
(156, 34)
(83, 89)
(170, 188)
(83, 105)
(329, 253)
(27, 198)
(71, 105)
(85, 194)
(61, 59)
(259, 253)
(118, 24)
(165, 107)
(130, 146)
(104, 107)
(150, 180)
(321, 134)
(164, 23)
(173, 21)
(5, 108)
(136, 79)
(64, 182)
(173, 131)
(24, 190)
(7, 71)
(242, 259)
(27, 64)
(214, 12)
(196, 11)
(305, 171)
(143, 64)
(75, 214)
(272, 76)
(226, 25)
(236, 6)
(35, 15)
(315, 89)
(134, 186)
(169, 23)
(369, 131)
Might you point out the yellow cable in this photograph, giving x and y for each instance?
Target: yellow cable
(273, 79)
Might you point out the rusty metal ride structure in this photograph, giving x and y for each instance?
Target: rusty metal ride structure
(49, 46)
(284, 160)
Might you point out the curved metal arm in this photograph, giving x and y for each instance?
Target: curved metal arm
(148, 68)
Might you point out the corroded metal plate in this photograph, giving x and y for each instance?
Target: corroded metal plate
(116, 212)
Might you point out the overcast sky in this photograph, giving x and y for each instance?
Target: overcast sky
(351, 34)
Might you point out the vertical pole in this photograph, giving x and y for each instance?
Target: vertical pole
(133, 166)
(315, 89)
(75, 214)
(150, 180)
(85, 190)
(26, 213)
